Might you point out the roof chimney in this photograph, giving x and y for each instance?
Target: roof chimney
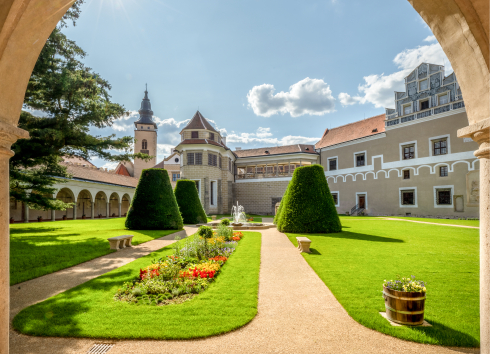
(223, 140)
(237, 148)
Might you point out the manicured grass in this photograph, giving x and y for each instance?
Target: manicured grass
(37, 249)
(355, 262)
(443, 221)
(89, 310)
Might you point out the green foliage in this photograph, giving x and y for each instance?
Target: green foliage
(225, 231)
(225, 222)
(189, 203)
(70, 99)
(205, 232)
(307, 205)
(154, 206)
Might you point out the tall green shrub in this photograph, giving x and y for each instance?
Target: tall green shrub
(189, 203)
(307, 205)
(154, 206)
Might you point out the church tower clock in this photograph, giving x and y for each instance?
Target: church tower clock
(145, 134)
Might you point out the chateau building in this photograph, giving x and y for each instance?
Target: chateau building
(408, 161)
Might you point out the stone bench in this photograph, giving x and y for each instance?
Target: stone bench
(119, 242)
(304, 244)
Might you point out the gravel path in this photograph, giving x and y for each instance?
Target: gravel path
(297, 314)
(432, 223)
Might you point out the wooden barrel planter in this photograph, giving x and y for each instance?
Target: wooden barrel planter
(406, 308)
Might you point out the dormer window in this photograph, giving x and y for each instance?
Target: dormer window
(307, 149)
(195, 135)
(375, 130)
(266, 151)
(211, 136)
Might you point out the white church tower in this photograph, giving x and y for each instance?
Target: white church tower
(145, 135)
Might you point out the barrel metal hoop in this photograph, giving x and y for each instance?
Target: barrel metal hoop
(405, 298)
(405, 312)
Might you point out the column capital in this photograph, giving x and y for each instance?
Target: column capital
(9, 134)
(479, 132)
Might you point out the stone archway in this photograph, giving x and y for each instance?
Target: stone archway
(101, 205)
(460, 26)
(125, 203)
(66, 195)
(84, 206)
(114, 205)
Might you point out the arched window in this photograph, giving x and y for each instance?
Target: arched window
(144, 144)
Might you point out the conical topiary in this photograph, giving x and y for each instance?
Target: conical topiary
(189, 203)
(154, 206)
(307, 205)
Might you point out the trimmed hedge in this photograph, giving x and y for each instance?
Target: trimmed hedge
(154, 206)
(307, 205)
(189, 203)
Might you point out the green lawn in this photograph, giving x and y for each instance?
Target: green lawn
(41, 248)
(355, 262)
(442, 221)
(89, 310)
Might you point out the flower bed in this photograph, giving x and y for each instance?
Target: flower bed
(194, 265)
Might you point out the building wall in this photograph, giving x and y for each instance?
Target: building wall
(382, 177)
(151, 138)
(260, 196)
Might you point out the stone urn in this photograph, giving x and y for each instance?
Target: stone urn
(11, 220)
(64, 217)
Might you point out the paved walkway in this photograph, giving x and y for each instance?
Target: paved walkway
(433, 223)
(297, 314)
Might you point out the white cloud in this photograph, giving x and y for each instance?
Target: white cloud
(430, 39)
(378, 89)
(165, 149)
(308, 96)
(264, 136)
(110, 165)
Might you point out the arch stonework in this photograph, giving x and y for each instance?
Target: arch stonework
(460, 26)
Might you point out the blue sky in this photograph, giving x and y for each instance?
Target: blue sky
(268, 72)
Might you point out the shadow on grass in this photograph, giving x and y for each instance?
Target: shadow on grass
(359, 236)
(456, 337)
(314, 252)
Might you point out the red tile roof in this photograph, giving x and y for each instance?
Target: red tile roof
(122, 170)
(199, 122)
(276, 150)
(352, 131)
(95, 175)
(76, 159)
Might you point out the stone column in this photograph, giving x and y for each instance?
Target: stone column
(289, 168)
(75, 211)
(26, 212)
(119, 204)
(8, 135)
(93, 210)
(480, 132)
(53, 215)
(107, 209)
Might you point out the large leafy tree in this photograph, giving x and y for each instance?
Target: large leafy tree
(71, 98)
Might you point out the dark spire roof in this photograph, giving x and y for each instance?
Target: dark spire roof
(145, 112)
(199, 122)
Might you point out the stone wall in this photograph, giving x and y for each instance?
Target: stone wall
(259, 197)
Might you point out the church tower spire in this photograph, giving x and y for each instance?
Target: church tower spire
(145, 136)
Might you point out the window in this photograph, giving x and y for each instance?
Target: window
(360, 160)
(408, 152)
(195, 135)
(176, 160)
(219, 161)
(198, 156)
(212, 160)
(213, 187)
(407, 109)
(424, 105)
(423, 85)
(443, 99)
(335, 198)
(229, 164)
(443, 196)
(440, 146)
(175, 176)
(406, 174)
(190, 158)
(408, 197)
(443, 171)
(332, 164)
(144, 144)
(211, 136)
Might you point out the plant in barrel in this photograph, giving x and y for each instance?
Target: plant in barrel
(205, 232)
(405, 300)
